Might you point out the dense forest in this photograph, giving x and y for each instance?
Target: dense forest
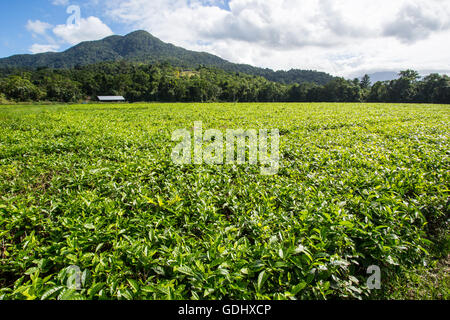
(164, 82)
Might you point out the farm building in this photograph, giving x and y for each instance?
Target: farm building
(111, 99)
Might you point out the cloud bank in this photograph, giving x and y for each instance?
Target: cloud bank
(344, 37)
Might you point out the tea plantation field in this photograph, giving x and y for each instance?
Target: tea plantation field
(93, 188)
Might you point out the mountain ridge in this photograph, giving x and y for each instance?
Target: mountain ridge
(142, 47)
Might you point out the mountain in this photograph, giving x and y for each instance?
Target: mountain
(390, 75)
(383, 76)
(141, 46)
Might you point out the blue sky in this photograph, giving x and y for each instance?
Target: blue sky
(346, 38)
(16, 39)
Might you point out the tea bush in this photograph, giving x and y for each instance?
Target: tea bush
(93, 186)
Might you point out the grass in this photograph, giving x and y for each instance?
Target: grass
(425, 283)
(94, 186)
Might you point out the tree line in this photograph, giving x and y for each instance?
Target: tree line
(163, 82)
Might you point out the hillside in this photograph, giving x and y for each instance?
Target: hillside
(141, 46)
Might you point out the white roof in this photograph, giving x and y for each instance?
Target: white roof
(111, 98)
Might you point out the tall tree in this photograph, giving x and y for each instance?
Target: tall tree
(365, 82)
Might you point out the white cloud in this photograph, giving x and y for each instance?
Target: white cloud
(60, 2)
(91, 28)
(344, 37)
(39, 31)
(40, 48)
(38, 27)
(417, 21)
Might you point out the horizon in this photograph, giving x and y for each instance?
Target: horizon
(334, 39)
